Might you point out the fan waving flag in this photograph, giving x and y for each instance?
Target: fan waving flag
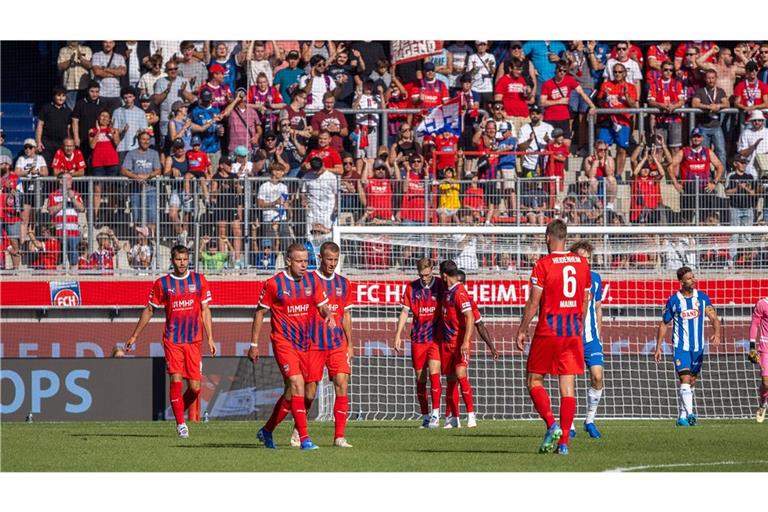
(442, 118)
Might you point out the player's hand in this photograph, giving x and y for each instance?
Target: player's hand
(753, 356)
(657, 354)
(129, 344)
(494, 353)
(330, 321)
(253, 354)
(212, 347)
(350, 354)
(398, 344)
(520, 340)
(715, 339)
(465, 350)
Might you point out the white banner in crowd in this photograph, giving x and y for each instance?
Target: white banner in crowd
(442, 118)
(408, 50)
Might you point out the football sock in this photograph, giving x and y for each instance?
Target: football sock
(437, 390)
(567, 413)
(452, 399)
(680, 407)
(593, 399)
(177, 402)
(540, 399)
(686, 396)
(191, 405)
(307, 406)
(421, 394)
(466, 393)
(281, 410)
(340, 412)
(300, 416)
(764, 394)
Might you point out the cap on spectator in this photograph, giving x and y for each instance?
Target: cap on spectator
(127, 90)
(505, 126)
(293, 54)
(145, 97)
(429, 66)
(583, 179)
(270, 134)
(225, 160)
(178, 143)
(217, 68)
(240, 151)
(206, 95)
(515, 44)
(466, 77)
(751, 66)
(534, 108)
(696, 132)
(143, 231)
(379, 163)
(5, 159)
(481, 42)
(756, 114)
(196, 140)
(30, 142)
(178, 104)
(740, 158)
(266, 242)
(557, 132)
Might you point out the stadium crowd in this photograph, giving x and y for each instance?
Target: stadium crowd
(243, 147)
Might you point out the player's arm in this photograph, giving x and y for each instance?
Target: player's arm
(755, 333)
(346, 325)
(531, 306)
(599, 318)
(258, 320)
(400, 325)
(661, 331)
(208, 326)
(482, 330)
(712, 315)
(469, 318)
(146, 316)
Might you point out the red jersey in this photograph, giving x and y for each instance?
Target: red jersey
(600, 171)
(9, 200)
(475, 310)
(48, 258)
(750, 94)
(696, 163)
(378, 193)
(339, 291)
(555, 91)
(646, 195)
(667, 93)
(512, 92)
(703, 47)
(105, 152)
(615, 95)
(563, 277)
(182, 298)
(221, 94)
(412, 207)
(454, 302)
(377, 255)
(198, 161)
(447, 145)
(65, 219)
(656, 53)
(271, 95)
(73, 163)
(422, 301)
(555, 168)
(330, 157)
(431, 94)
(290, 302)
(473, 198)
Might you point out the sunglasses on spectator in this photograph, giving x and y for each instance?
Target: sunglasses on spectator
(29, 147)
(348, 162)
(171, 69)
(498, 107)
(619, 72)
(416, 160)
(763, 51)
(270, 138)
(666, 69)
(621, 49)
(691, 54)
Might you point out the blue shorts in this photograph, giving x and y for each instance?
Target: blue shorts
(593, 353)
(576, 103)
(688, 360)
(611, 136)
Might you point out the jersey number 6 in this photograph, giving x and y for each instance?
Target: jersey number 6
(569, 281)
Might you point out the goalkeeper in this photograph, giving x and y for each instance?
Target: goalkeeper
(758, 336)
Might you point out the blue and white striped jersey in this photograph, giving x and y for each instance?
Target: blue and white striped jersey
(687, 317)
(590, 319)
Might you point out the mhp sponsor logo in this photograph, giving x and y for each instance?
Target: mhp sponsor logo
(66, 294)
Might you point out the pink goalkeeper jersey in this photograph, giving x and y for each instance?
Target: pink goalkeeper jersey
(760, 318)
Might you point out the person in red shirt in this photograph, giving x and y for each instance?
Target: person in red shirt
(332, 121)
(693, 166)
(700, 46)
(64, 203)
(555, 98)
(198, 168)
(290, 296)
(426, 93)
(413, 203)
(751, 94)
(656, 56)
(559, 151)
(667, 94)
(446, 142)
(646, 190)
(105, 162)
(266, 99)
(421, 298)
(378, 194)
(68, 159)
(516, 93)
(46, 249)
(330, 157)
(221, 94)
(474, 202)
(560, 290)
(10, 211)
(616, 128)
(633, 52)
(185, 296)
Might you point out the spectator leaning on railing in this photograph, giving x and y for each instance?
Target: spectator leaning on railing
(63, 206)
(753, 143)
(741, 189)
(141, 166)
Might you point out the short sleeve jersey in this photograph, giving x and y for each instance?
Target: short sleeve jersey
(339, 291)
(563, 278)
(290, 302)
(422, 301)
(454, 302)
(475, 310)
(556, 91)
(182, 298)
(590, 320)
(687, 317)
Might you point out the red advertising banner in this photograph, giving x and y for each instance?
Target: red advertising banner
(410, 50)
(36, 294)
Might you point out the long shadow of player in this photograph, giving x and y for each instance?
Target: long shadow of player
(221, 445)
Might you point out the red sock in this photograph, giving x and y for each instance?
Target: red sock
(437, 389)
(307, 406)
(177, 402)
(281, 410)
(421, 394)
(190, 399)
(567, 413)
(540, 399)
(466, 393)
(300, 416)
(340, 412)
(452, 399)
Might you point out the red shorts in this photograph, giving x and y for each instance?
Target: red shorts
(335, 360)
(184, 358)
(556, 355)
(423, 352)
(451, 358)
(290, 361)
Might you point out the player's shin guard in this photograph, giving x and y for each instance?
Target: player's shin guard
(540, 399)
(421, 394)
(340, 413)
(567, 413)
(300, 416)
(436, 390)
(452, 399)
(177, 402)
(686, 397)
(593, 400)
(466, 394)
(281, 410)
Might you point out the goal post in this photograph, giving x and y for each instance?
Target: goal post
(637, 265)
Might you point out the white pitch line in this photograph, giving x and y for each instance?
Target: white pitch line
(685, 464)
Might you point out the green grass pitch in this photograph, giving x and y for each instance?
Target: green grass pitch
(724, 445)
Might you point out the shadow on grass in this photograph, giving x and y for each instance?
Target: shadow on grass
(223, 445)
(116, 435)
(500, 436)
(475, 451)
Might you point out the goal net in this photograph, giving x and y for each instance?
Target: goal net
(637, 266)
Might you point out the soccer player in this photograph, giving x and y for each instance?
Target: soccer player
(758, 336)
(331, 347)
(456, 323)
(452, 415)
(686, 309)
(290, 296)
(421, 299)
(593, 347)
(185, 296)
(560, 286)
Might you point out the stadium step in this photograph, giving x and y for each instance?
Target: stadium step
(13, 123)
(18, 123)
(17, 110)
